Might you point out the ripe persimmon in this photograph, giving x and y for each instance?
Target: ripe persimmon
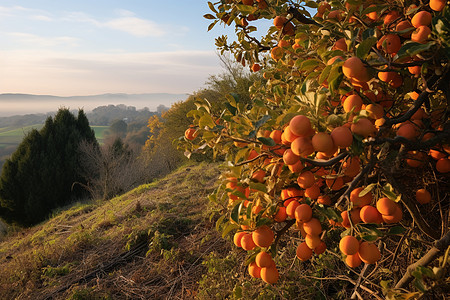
(423, 196)
(279, 22)
(281, 215)
(305, 179)
(353, 261)
(421, 34)
(443, 165)
(405, 26)
(322, 142)
(190, 133)
(303, 213)
(320, 248)
(300, 125)
(264, 260)
(312, 192)
(247, 242)
(312, 227)
(290, 208)
(395, 217)
(349, 245)
(263, 236)
(312, 241)
(256, 67)
(437, 5)
(363, 127)
(369, 253)
(354, 68)
(342, 137)
(237, 238)
(254, 270)
(421, 18)
(369, 214)
(386, 206)
(354, 214)
(290, 158)
(303, 252)
(340, 44)
(352, 102)
(360, 201)
(270, 275)
(390, 43)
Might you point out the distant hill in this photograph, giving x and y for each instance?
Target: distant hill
(22, 104)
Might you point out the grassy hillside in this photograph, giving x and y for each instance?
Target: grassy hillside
(133, 246)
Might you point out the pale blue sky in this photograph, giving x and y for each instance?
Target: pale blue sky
(84, 47)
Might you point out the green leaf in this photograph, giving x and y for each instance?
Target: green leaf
(396, 230)
(369, 237)
(262, 121)
(206, 120)
(211, 7)
(324, 75)
(246, 9)
(231, 109)
(366, 190)
(309, 65)
(236, 211)
(312, 4)
(258, 186)
(230, 227)
(411, 49)
(209, 17)
(365, 46)
(267, 141)
(389, 194)
(219, 222)
(210, 26)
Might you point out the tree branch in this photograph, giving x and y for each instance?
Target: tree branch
(300, 17)
(432, 254)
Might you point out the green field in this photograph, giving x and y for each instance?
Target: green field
(13, 136)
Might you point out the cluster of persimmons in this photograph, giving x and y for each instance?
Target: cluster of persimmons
(309, 169)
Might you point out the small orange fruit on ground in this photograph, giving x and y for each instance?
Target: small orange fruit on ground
(353, 261)
(303, 252)
(360, 201)
(421, 34)
(443, 165)
(237, 238)
(437, 5)
(306, 179)
(421, 18)
(263, 260)
(312, 227)
(263, 236)
(369, 214)
(369, 253)
(254, 270)
(386, 206)
(349, 245)
(281, 215)
(303, 213)
(270, 275)
(352, 102)
(247, 242)
(423, 196)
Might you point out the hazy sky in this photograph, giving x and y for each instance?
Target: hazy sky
(85, 47)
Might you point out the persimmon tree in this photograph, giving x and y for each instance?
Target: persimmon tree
(345, 143)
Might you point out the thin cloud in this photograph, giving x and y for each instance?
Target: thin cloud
(41, 41)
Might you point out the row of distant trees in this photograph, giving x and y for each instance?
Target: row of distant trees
(63, 162)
